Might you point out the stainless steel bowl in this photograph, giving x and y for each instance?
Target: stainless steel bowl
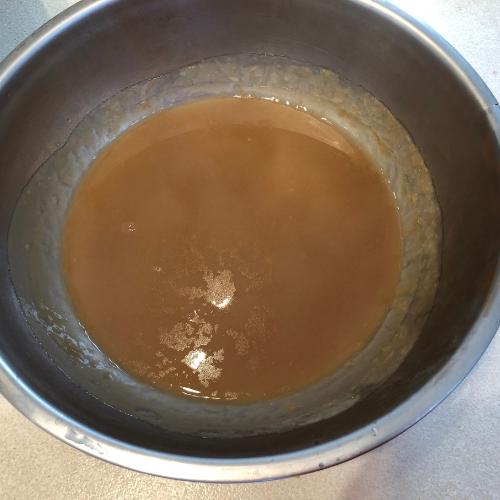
(99, 47)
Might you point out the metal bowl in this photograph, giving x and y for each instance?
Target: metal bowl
(99, 47)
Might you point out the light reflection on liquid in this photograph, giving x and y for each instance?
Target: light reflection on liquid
(196, 394)
(222, 304)
(194, 359)
(190, 390)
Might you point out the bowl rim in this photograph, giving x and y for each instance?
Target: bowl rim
(86, 439)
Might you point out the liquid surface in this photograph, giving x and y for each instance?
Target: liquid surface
(231, 249)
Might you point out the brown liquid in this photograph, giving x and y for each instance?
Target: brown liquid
(231, 249)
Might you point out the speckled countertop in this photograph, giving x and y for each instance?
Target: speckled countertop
(453, 453)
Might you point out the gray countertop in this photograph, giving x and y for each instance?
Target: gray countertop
(454, 452)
